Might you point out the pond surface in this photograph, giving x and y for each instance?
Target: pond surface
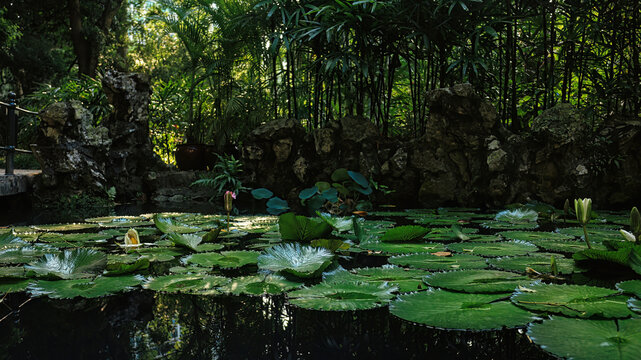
(148, 324)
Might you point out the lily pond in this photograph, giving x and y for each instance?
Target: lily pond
(439, 283)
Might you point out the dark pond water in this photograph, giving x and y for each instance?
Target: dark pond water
(146, 325)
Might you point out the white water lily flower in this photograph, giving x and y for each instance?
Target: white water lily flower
(132, 240)
(628, 235)
(583, 209)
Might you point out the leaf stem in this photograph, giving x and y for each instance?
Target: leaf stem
(585, 233)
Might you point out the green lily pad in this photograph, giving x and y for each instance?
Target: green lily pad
(406, 280)
(225, 259)
(632, 287)
(123, 231)
(168, 225)
(478, 281)
(115, 219)
(73, 237)
(566, 246)
(407, 233)
(260, 285)
(403, 248)
(588, 339)
(70, 264)
(13, 272)
(438, 220)
(509, 248)
(595, 235)
(299, 260)
(342, 296)
(65, 227)
(10, 285)
(9, 240)
(540, 263)
(189, 241)
(502, 225)
(191, 269)
(332, 245)
(580, 301)
(517, 216)
(121, 268)
(25, 254)
(634, 304)
(446, 234)
(87, 288)
(433, 262)
(160, 254)
(187, 283)
(459, 311)
(534, 235)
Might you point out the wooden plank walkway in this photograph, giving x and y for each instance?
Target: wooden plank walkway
(18, 183)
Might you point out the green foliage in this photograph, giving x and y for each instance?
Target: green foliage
(167, 225)
(86, 288)
(225, 259)
(588, 339)
(459, 311)
(478, 281)
(405, 233)
(226, 174)
(407, 280)
(301, 228)
(260, 285)
(70, 264)
(342, 296)
(621, 253)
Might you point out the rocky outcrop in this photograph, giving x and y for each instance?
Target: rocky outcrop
(79, 156)
(465, 158)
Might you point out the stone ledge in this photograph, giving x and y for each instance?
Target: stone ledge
(20, 182)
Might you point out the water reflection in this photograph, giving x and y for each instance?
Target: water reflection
(144, 325)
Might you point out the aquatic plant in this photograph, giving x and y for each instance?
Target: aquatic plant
(343, 296)
(517, 216)
(299, 260)
(405, 233)
(583, 210)
(301, 228)
(70, 264)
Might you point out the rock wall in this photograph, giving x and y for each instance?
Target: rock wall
(465, 158)
(78, 156)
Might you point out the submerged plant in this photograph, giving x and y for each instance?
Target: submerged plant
(583, 209)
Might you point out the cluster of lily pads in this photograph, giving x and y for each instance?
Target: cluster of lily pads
(455, 269)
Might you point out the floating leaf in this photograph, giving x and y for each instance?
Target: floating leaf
(342, 296)
(25, 254)
(167, 225)
(406, 280)
(189, 241)
(87, 288)
(187, 283)
(501, 225)
(517, 216)
(565, 246)
(622, 253)
(403, 248)
(341, 224)
(432, 262)
(573, 300)
(459, 311)
(330, 244)
(405, 233)
(534, 235)
(260, 285)
(9, 240)
(70, 264)
(494, 249)
(13, 272)
(536, 262)
(10, 285)
(302, 261)
(225, 259)
(73, 237)
(115, 219)
(261, 193)
(160, 254)
(121, 268)
(65, 227)
(301, 228)
(588, 339)
(596, 235)
(478, 281)
(630, 287)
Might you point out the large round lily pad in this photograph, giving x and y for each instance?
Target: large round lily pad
(539, 263)
(566, 246)
(595, 235)
(87, 288)
(65, 227)
(9, 285)
(405, 279)
(433, 262)
(509, 248)
(588, 339)
(502, 225)
(478, 281)
(342, 296)
(630, 287)
(260, 284)
(187, 283)
(71, 264)
(298, 260)
(534, 235)
(225, 259)
(403, 248)
(459, 311)
(573, 300)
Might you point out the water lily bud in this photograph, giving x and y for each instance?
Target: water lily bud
(635, 221)
(628, 235)
(566, 207)
(583, 209)
(228, 199)
(132, 238)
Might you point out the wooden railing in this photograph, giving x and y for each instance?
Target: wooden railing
(12, 132)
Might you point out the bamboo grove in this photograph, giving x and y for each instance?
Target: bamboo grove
(219, 68)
